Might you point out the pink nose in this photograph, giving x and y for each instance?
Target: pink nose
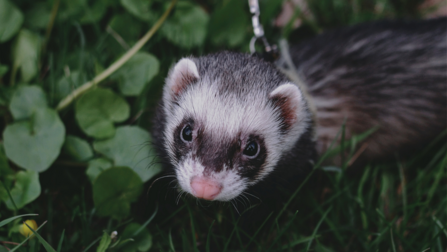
(205, 188)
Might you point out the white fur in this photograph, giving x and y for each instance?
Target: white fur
(183, 68)
(223, 119)
(232, 183)
(296, 100)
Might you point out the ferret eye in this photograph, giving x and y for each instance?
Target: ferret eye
(251, 150)
(186, 134)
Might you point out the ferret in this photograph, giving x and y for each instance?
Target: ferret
(231, 123)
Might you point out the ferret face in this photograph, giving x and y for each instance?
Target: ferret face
(221, 139)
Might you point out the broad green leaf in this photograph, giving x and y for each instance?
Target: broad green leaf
(187, 26)
(70, 10)
(5, 97)
(321, 248)
(126, 26)
(96, 166)
(35, 143)
(224, 31)
(83, 11)
(113, 191)
(139, 8)
(94, 13)
(26, 100)
(25, 53)
(6, 174)
(270, 11)
(97, 110)
(4, 166)
(104, 243)
(136, 73)
(125, 32)
(131, 147)
(77, 148)
(3, 70)
(26, 189)
(11, 20)
(4, 222)
(69, 83)
(142, 241)
(38, 15)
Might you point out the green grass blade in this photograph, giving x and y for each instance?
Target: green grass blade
(171, 243)
(193, 230)
(404, 191)
(4, 222)
(332, 226)
(388, 225)
(46, 245)
(172, 215)
(259, 229)
(429, 147)
(91, 244)
(185, 243)
(434, 187)
(10, 196)
(104, 243)
(23, 242)
(229, 238)
(363, 180)
(293, 195)
(392, 240)
(208, 237)
(147, 222)
(282, 231)
(294, 243)
(114, 244)
(61, 240)
(238, 236)
(317, 227)
(438, 222)
(120, 243)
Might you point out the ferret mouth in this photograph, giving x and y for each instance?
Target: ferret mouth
(215, 186)
(205, 188)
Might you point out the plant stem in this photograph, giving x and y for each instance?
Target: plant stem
(115, 66)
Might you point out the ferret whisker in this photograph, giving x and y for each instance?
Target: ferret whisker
(235, 207)
(253, 196)
(175, 180)
(167, 176)
(239, 199)
(245, 197)
(179, 196)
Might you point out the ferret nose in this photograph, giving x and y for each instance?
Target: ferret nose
(205, 188)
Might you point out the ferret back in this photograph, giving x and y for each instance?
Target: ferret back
(389, 75)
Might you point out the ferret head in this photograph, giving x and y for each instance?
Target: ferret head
(229, 119)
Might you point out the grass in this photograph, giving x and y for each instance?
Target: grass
(400, 205)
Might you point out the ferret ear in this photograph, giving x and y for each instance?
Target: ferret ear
(290, 103)
(183, 74)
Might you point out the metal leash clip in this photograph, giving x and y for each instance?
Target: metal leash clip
(270, 52)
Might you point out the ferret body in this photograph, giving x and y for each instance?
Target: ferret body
(230, 123)
(388, 75)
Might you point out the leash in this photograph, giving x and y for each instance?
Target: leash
(272, 54)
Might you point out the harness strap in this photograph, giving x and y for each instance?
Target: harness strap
(286, 66)
(271, 54)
